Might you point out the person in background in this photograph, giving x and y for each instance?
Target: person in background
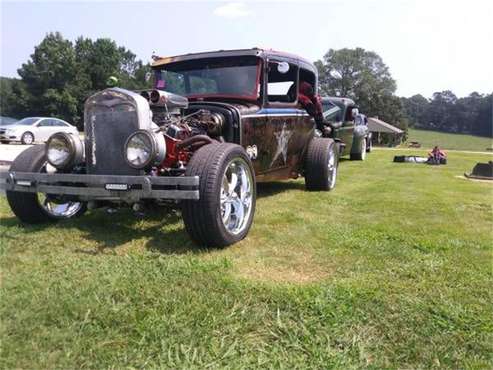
(360, 119)
(436, 155)
(312, 104)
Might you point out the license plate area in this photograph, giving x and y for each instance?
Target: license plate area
(117, 187)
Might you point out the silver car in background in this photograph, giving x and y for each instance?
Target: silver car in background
(31, 129)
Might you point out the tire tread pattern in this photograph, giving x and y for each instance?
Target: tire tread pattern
(25, 205)
(201, 216)
(316, 170)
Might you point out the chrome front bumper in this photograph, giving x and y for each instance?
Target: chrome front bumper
(102, 187)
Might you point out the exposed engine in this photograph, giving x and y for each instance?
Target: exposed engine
(184, 133)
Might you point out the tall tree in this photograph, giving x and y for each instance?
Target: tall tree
(415, 109)
(363, 76)
(47, 78)
(483, 122)
(60, 76)
(442, 111)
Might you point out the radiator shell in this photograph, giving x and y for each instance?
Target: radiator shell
(110, 116)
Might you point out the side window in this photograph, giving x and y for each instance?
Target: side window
(281, 87)
(331, 111)
(308, 77)
(58, 123)
(45, 123)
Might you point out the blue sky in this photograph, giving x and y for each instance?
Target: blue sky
(429, 45)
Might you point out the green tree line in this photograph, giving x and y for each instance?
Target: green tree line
(446, 112)
(60, 75)
(363, 76)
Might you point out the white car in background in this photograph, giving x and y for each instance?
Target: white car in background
(31, 129)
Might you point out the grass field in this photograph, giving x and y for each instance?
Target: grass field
(393, 269)
(429, 139)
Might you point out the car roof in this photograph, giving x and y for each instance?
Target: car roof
(43, 118)
(337, 99)
(40, 118)
(257, 52)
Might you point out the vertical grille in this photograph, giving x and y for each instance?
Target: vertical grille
(109, 118)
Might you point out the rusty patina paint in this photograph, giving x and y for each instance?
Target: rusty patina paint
(277, 132)
(280, 139)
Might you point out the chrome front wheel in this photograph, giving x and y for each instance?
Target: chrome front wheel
(34, 208)
(236, 196)
(224, 212)
(56, 207)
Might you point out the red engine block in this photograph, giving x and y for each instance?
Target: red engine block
(173, 155)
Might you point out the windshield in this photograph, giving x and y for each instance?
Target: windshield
(225, 77)
(27, 121)
(5, 121)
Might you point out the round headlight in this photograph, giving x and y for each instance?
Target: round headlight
(144, 148)
(63, 151)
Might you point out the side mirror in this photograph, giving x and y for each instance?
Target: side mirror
(283, 67)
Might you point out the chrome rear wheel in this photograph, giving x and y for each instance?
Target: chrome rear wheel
(332, 169)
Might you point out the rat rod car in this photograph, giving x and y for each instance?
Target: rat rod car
(214, 124)
(348, 126)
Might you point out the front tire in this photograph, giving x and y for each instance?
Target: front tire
(224, 213)
(27, 138)
(361, 154)
(35, 208)
(321, 165)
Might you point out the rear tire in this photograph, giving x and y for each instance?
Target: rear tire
(27, 206)
(224, 213)
(27, 138)
(4, 141)
(321, 164)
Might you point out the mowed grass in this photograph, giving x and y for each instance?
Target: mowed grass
(392, 269)
(429, 139)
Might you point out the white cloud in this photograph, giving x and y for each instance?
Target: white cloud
(232, 10)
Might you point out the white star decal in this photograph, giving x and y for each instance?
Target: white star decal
(282, 137)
